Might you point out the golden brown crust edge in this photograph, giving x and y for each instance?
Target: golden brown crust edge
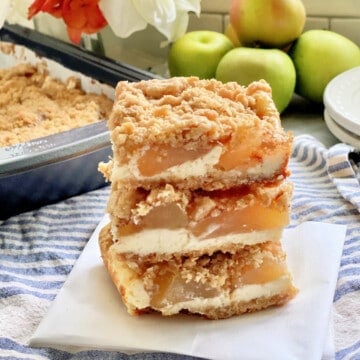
(133, 306)
(105, 241)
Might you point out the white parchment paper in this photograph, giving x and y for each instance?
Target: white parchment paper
(88, 312)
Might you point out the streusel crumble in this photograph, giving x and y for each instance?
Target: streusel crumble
(34, 104)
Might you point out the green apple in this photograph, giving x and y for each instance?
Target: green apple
(245, 65)
(197, 53)
(318, 56)
(267, 23)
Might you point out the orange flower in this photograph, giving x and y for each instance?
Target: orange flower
(80, 16)
(52, 7)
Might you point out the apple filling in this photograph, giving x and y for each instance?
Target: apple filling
(241, 152)
(160, 158)
(254, 217)
(170, 288)
(184, 279)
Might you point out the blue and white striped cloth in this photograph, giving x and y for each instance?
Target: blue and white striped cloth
(39, 249)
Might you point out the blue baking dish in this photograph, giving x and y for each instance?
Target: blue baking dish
(56, 167)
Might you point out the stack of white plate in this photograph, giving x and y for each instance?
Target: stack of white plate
(342, 107)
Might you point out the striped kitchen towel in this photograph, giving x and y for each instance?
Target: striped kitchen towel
(39, 249)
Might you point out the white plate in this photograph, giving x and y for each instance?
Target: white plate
(341, 133)
(342, 100)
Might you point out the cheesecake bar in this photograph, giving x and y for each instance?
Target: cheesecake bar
(197, 134)
(199, 198)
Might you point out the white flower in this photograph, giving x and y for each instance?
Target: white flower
(14, 11)
(4, 10)
(169, 17)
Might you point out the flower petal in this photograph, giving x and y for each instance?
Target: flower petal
(82, 17)
(4, 10)
(95, 18)
(18, 13)
(74, 34)
(122, 17)
(169, 17)
(189, 6)
(156, 12)
(52, 7)
(176, 28)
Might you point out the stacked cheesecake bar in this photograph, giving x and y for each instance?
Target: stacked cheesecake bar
(199, 198)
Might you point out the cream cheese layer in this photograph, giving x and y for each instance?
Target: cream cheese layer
(175, 241)
(204, 169)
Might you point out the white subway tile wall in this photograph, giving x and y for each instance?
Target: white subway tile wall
(348, 27)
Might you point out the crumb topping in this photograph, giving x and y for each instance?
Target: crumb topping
(160, 197)
(34, 104)
(180, 111)
(106, 168)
